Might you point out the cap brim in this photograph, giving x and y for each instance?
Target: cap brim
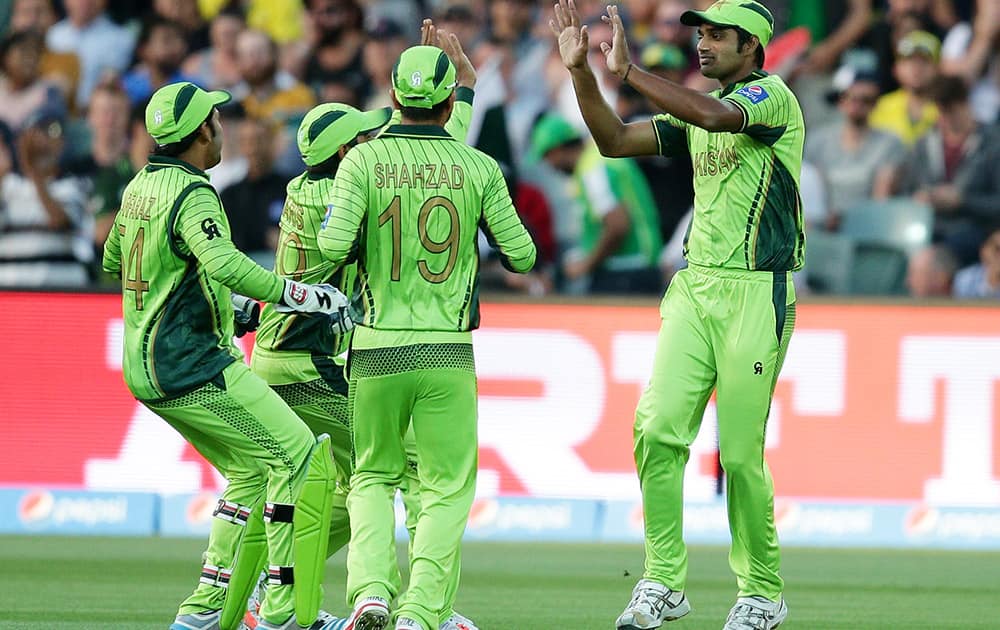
(219, 97)
(697, 18)
(374, 119)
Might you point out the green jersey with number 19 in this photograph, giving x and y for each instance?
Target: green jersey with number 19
(747, 210)
(293, 349)
(170, 243)
(407, 207)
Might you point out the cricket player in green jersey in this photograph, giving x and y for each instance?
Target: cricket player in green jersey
(302, 358)
(727, 317)
(171, 246)
(407, 208)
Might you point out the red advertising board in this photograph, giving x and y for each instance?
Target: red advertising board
(876, 402)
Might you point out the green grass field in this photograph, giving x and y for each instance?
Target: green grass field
(136, 584)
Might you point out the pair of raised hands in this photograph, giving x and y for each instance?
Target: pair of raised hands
(574, 40)
(430, 35)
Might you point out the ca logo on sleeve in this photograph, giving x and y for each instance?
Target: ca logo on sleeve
(210, 229)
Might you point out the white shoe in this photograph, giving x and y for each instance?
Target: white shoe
(756, 613)
(324, 621)
(652, 604)
(457, 622)
(197, 621)
(405, 623)
(370, 613)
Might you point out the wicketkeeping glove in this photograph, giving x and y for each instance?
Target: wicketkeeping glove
(246, 314)
(342, 321)
(310, 298)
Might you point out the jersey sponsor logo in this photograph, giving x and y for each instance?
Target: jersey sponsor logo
(416, 79)
(210, 229)
(424, 176)
(758, 368)
(712, 163)
(753, 93)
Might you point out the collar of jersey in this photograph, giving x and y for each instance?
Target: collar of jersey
(415, 131)
(753, 76)
(156, 162)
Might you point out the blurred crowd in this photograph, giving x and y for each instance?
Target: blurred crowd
(901, 100)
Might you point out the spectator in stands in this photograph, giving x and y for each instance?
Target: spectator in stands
(518, 57)
(62, 68)
(619, 235)
(856, 162)
(332, 52)
(956, 169)
(216, 67)
(835, 27)
(45, 233)
(670, 178)
(982, 280)
(161, 49)
(253, 205)
(101, 45)
(908, 113)
(23, 92)
(970, 52)
(106, 165)
(534, 211)
(386, 41)
(930, 272)
(266, 91)
(668, 30)
(187, 16)
(140, 143)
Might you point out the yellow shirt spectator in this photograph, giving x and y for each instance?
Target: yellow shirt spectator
(891, 114)
(281, 19)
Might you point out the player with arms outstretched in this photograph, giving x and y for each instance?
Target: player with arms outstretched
(727, 317)
(302, 357)
(170, 243)
(407, 208)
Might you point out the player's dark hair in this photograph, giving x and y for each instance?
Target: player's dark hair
(174, 149)
(743, 39)
(421, 114)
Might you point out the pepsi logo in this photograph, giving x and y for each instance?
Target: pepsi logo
(483, 513)
(35, 506)
(199, 508)
(921, 520)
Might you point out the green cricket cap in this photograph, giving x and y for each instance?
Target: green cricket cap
(423, 77)
(330, 126)
(552, 131)
(752, 17)
(177, 109)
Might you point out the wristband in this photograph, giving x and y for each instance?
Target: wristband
(627, 70)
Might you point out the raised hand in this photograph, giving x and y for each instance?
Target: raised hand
(428, 33)
(573, 39)
(616, 53)
(465, 72)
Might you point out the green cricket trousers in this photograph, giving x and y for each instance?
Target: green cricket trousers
(725, 330)
(261, 447)
(432, 386)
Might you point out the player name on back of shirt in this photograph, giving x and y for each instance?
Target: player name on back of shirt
(433, 176)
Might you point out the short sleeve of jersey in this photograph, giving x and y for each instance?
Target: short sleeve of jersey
(671, 134)
(766, 107)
